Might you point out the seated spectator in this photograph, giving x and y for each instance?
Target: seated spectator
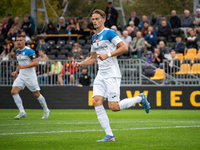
(8, 40)
(27, 37)
(130, 32)
(111, 15)
(163, 18)
(68, 71)
(91, 26)
(191, 41)
(43, 67)
(155, 21)
(33, 42)
(16, 25)
(62, 25)
(163, 31)
(137, 45)
(158, 58)
(13, 62)
(115, 29)
(5, 27)
(56, 69)
(145, 28)
(77, 51)
(41, 45)
(148, 59)
(9, 25)
(84, 79)
(179, 46)
(82, 23)
(72, 25)
(134, 18)
(31, 20)
(15, 46)
(174, 20)
(186, 22)
(12, 34)
(51, 29)
(169, 67)
(163, 49)
(140, 26)
(196, 22)
(5, 55)
(126, 38)
(27, 27)
(133, 27)
(150, 39)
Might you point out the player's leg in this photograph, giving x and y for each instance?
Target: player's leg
(18, 85)
(60, 79)
(42, 102)
(72, 79)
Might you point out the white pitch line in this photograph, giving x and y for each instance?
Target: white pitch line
(94, 130)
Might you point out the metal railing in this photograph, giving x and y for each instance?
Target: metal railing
(134, 73)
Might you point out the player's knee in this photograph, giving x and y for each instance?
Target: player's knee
(96, 103)
(114, 108)
(36, 94)
(14, 92)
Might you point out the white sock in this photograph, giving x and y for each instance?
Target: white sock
(128, 102)
(103, 119)
(42, 102)
(18, 102)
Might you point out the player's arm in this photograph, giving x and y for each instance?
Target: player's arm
(122, 48)
(32, 64)
(91, 60)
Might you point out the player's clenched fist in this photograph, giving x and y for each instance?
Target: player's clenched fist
(77, 65)
(102, 56)
(20, 66)
(14, 74)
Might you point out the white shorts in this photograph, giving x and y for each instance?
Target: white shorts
(108, 88)
(31, 84)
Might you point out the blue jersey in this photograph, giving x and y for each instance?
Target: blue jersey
(24, 57)
(104, 42)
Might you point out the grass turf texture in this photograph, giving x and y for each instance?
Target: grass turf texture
(79, 129)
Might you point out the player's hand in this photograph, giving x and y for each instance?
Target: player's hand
(20, 66)
(77, 65)
(14, 74)
(102, 56)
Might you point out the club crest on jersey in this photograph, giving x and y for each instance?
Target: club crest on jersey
(19, 55)
(23, 53)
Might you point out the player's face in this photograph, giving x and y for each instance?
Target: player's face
(97, 20)
(20, 42)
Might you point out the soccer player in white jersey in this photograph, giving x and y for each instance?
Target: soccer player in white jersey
(27, 77)
(107, 82)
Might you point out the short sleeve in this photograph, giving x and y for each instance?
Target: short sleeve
(113, 37)
(92, 49)
(31, 54)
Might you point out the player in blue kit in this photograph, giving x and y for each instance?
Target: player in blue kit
(105, 46)
(27, 77)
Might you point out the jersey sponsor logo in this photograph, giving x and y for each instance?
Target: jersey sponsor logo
(100, 48)
(19, 55)
(97, 40)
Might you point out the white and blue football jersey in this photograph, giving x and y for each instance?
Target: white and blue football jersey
(104, 42)
(24, 57)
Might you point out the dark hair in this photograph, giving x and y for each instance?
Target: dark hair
(6, 50)
(100, 12)
(73, 20)
(146, 22)
(172, 50)
(19, 35)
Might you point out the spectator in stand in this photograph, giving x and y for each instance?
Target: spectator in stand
(68, 71)
(145, 28)
(91, 26)
(163, 18)
(134, 18)
(155, 21)
(33, 42)
(16, 25)
(186, 22)
(115, 29)
(5, 26)
(31, 20)
(171, 57)
(1, 27)
(191, 41)
(10, 23)
(56, 69)
(148, 59)
(150, 39)
(72, 25)
(133, 27)
(13, 61)
(174, 20)
(137, 45)
(41, 45)
(158, 58)
(84, 79)
(130, 32)
(82, 23)
(111, 15)
(126, 38)
(8, 40)
(27, 37)
(140, 26)
(196, 22)
(163, 49)
(163, 31)
(15, 46)
(51, 29)
(62, 25)
(179, 46)
(27, 27)
(12, 34)
(77, 51)
(5, 55)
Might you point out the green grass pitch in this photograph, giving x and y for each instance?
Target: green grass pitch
(79, 129)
